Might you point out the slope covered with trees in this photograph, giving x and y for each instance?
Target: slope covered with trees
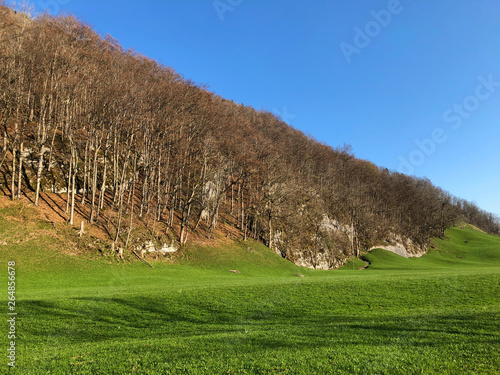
(116, 131)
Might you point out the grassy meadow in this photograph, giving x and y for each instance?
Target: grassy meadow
(439, 314)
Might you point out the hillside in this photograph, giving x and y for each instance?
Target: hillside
(43, 244)
(98, 134)
(437, 314)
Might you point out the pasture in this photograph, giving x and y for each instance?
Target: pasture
(80, 314)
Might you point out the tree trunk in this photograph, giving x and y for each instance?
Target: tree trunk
(13, 183)
(70, 172)
(39, 175)
(132, 202)
(94, 187)
(184, 224)
(104, 176)
(73, 181)
(270, 232)
(20, 168)
(73, 191)
(85, 162)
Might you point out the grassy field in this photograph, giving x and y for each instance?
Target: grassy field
(85, 315)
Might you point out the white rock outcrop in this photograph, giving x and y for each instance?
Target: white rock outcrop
(151, 248)
(403, 247)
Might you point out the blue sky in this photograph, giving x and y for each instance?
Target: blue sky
(415, 92)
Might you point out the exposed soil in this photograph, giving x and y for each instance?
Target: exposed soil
(52, 209)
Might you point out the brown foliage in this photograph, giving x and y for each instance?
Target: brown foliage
(80, 113)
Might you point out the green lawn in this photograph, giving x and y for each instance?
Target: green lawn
(83, 315)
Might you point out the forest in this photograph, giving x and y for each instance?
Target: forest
(126, 136)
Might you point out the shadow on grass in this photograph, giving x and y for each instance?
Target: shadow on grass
(251, 324)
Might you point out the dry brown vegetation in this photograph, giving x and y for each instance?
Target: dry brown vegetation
(135, 144)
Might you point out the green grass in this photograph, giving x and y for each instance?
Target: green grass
(466, 249)
(78, 315)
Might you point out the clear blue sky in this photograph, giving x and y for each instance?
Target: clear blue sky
(422, 69)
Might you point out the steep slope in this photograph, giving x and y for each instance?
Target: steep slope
(129, 146)
(46, 245)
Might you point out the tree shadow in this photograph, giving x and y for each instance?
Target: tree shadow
(53, 205)
(98, 319)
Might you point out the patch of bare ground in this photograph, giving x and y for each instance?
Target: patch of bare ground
(99, 235)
